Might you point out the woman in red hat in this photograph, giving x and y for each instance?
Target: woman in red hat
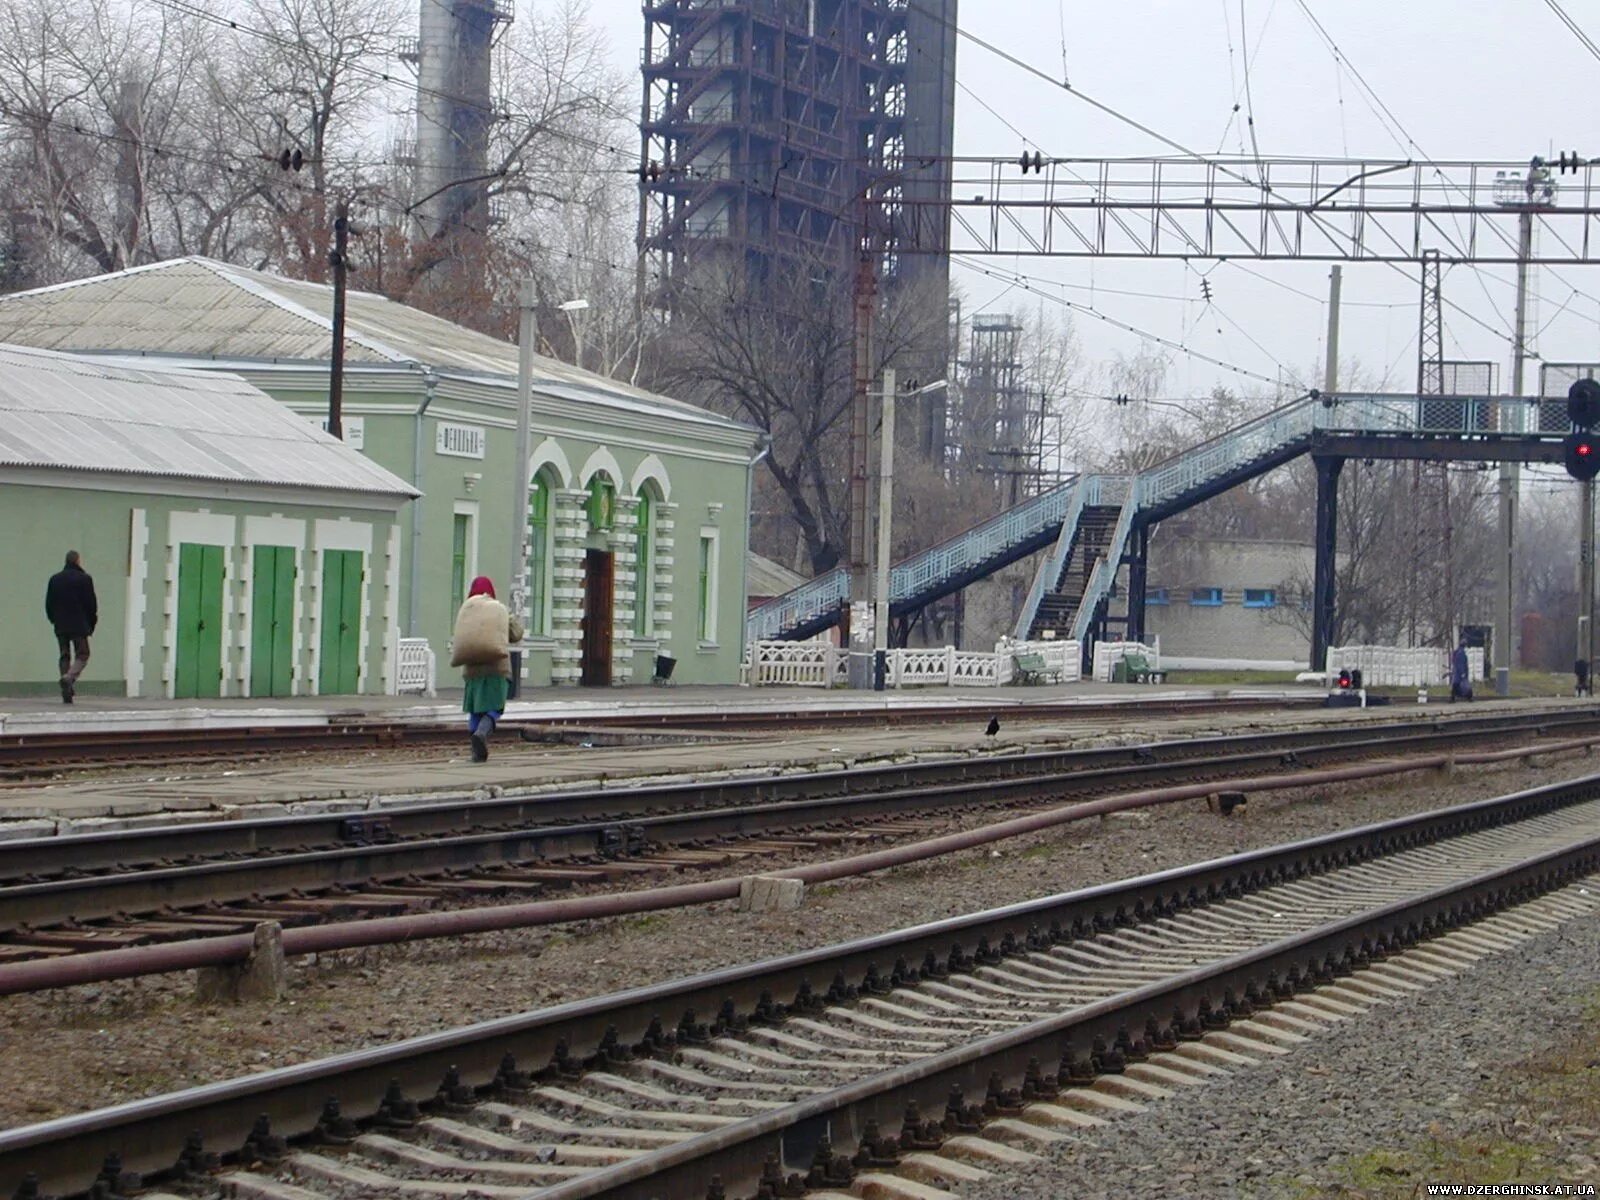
(484, 633)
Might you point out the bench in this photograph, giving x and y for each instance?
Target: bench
(1139, 670)
(1033, 668)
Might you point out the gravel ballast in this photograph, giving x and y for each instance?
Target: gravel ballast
(1424, 1067)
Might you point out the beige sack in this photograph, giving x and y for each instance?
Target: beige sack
(483, 627)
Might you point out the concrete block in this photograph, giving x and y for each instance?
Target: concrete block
(159, 820)
(252, 812)
(769, 893)
(325, 807)
(264, 975)
(11, 831)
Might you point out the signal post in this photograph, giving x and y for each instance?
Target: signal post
(1580, 451)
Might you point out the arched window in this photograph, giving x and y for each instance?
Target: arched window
(541, 532)
(602, 502)
(644, 564)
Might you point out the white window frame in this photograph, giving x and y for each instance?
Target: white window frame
(706, 621)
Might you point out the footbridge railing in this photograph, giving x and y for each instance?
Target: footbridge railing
(1168, 487)
(986, 547)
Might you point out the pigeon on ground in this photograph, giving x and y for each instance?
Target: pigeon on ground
(994, 727)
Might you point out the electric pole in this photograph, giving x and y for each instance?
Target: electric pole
(517, 575)
(866, 290)
(339, 260)
(1330, 371)
(1537, 193)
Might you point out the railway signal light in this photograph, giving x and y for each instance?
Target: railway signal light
(1583, 403)
(291, 160)
(1581, 451)
(1344, 681)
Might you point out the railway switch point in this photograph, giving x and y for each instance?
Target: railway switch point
(769, 893)
(264, 975)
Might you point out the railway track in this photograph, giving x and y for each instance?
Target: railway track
(90, 893)
(909, 1054)
(29, 755)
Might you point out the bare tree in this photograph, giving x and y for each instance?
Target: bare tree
(85, 89)
(775, 348)
(559, 188)
(1547, 577)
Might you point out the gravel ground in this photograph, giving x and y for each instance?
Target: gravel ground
(91, 1046)
(1435, 1067)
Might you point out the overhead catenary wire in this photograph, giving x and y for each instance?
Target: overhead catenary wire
(186, 7)
(1584, 39)
(1395, 127)
(1233, 82)
(384, 76)
(1028, 284)
(1249, 101)
(1221, 166)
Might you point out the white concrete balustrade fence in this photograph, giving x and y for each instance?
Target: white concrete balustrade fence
(795, 664)
(417, 669)
(822, 664)
(1108, 654)
(1400, 666)
(1064, 658)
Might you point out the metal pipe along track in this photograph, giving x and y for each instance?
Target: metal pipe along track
(790, 1067)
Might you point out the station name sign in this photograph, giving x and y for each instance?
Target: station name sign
(459, 441)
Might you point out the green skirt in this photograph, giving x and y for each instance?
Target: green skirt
(487, 695)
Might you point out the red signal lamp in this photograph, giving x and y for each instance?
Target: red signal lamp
(1581, 452)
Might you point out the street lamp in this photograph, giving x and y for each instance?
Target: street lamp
(880, 614)
(570, 307)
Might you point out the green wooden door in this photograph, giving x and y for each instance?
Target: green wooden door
(272, 621)
(198, 669)
(339, 673)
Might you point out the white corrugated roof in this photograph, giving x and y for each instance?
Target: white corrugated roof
(97, 414)
(203, 308)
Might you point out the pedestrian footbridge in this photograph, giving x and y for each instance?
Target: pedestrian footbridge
(1094, 526)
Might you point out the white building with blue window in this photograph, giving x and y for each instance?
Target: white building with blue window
(1241, 600)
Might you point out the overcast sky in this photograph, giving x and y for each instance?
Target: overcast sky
(1467, 79)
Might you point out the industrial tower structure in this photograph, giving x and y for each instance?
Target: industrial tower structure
(765, 124)
(454, 110)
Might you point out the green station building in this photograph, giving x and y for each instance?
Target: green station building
(634, 522)
(237, 550)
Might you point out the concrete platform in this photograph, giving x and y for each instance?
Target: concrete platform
(42, 715)
(373, 780)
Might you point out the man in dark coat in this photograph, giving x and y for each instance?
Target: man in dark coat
(1460, 674)
(70, 606)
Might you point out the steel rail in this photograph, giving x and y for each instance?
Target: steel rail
(88, 747)
(147, 1134)
(213, 951)
(791, 1137)
(34, 859)
(227, 880)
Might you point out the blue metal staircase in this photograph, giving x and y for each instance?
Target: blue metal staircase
(948, 567)
(1075, 579)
